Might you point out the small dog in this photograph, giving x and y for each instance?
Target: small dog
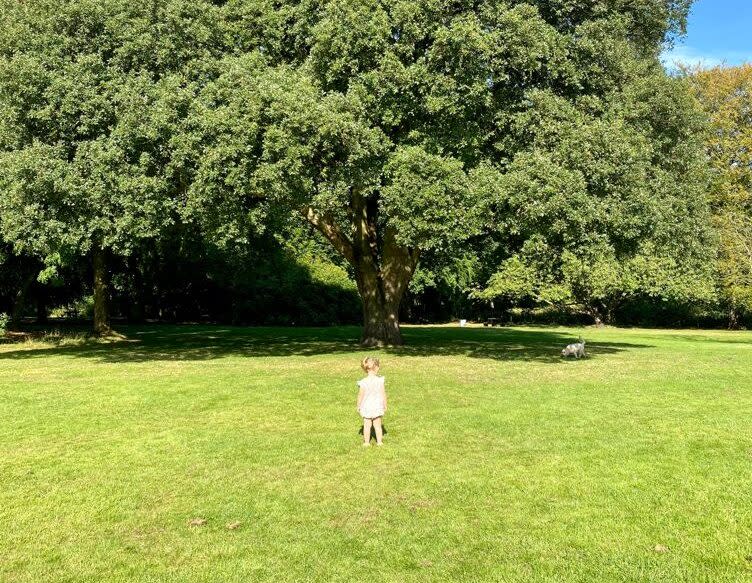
(577, 350)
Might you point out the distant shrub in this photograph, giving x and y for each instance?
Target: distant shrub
(4, 320)
(650, 312)
(82, 308)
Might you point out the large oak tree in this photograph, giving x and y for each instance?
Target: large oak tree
(399, 127)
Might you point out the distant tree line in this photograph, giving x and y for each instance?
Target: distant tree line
(328, 161)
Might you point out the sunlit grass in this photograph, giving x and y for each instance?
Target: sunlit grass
(502, 462)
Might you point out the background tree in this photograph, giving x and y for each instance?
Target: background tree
(280, 278)
(725, 93)
(18, 278)
(604, 199)
(90, 95)
(440, 288)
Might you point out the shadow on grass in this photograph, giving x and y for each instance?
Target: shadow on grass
(741, 337)
(201, 342)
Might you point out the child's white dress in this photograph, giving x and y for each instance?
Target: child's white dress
(373, 403)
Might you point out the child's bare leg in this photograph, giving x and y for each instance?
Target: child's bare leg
(377, 428)
(367, 431)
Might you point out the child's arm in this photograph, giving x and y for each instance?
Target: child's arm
(383, 390)
(361, 393)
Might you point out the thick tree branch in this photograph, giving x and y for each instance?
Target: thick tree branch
(331, 231)
(398, 265)
(366, 243)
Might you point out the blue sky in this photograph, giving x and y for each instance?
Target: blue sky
(719, 32)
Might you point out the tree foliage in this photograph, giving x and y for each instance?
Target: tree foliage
(606, 200)
(398, 129)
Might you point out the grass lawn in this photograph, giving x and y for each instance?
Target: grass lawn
(502, 462)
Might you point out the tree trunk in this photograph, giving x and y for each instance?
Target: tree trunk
(733, 318)
(101, 303)
(20, 301)
(136, 299)
(383, 268)
(380, 313)
(42, 307)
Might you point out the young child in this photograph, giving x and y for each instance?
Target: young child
(371, 400)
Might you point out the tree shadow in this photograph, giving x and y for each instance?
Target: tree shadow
(204, 342)
(716, 338)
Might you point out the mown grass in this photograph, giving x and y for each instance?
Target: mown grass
(502, 462)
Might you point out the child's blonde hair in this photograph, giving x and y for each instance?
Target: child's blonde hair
(369, 363)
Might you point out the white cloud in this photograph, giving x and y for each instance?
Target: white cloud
(690, 57)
